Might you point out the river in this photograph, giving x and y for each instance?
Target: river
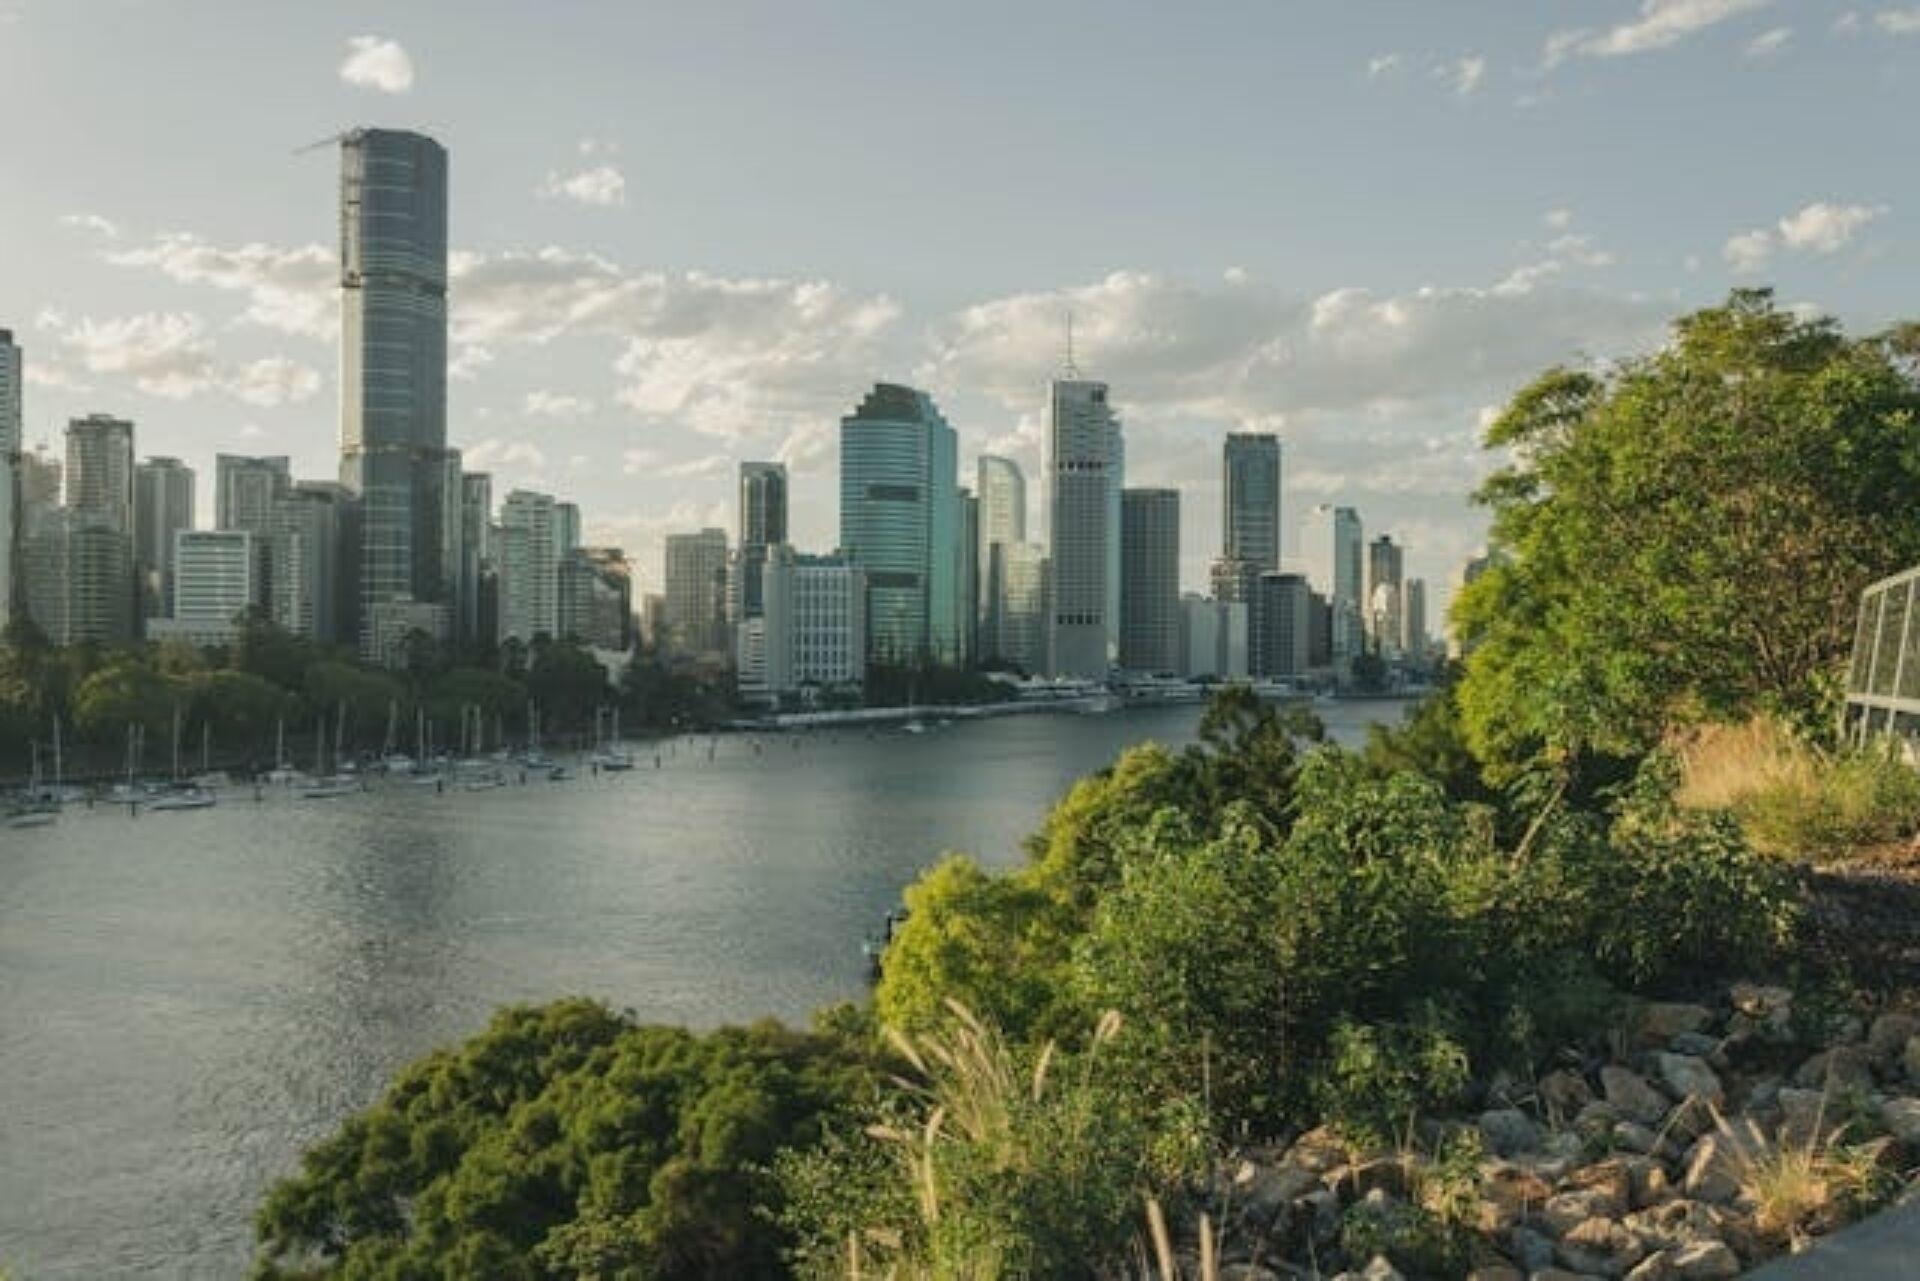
(188, 999)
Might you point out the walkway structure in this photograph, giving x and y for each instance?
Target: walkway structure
(1883, 681)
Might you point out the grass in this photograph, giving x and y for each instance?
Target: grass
(1795, 800)
(1801, 1187)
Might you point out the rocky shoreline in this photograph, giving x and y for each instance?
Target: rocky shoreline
(1707, 1139)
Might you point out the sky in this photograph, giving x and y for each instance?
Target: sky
(686, 235)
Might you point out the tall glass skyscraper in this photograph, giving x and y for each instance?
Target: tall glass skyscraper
(1150, 582)
(162, 507)
(900, 523)
(1086, 466)
(393, 364)
(1331, 546)
(10, 501)
(763, 524)
(1251, 516)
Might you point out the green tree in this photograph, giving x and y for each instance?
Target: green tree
(1687, 535)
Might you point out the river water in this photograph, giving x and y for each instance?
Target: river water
(188, 999)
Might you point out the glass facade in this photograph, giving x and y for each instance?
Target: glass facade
(900, 523)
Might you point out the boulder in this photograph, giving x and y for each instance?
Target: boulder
(1676, 1223)
(1705, 1261)
(1902, 1119)
(1319, 1150)
(1497, 1271)
(1531, 1250)
(1565, 1211)
(1843, 1067)
(1910, 1059)
(1264, 1192)
(1657, 1266)
(1601, 1247)
(1509, 1131)
(1564, 1093)
(1688, 1077)
(1661, 1021)
(1719, 1160)
(1700, 1045)
(1635, 1137)
(1805, 1115)
(1631, 1096)
(1609, 1177)
(1767, 1011)
(1888, 1036)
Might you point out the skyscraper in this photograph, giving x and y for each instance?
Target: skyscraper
(1413, 619)
(1150, 580)
(763, 523)
(213, 583)
(1385, 603)
(303, 561)
(696, 576)
(899, 522)
(393, 364)
(1250, 524)
(11, 380)
(100, 468)
(245, 489)
(1283, 637)
(967, 576)
(476, 554)
(1002, 493)
(1086, 465)
(162, 506)
(96, 534)
(1331, 543)
(529, 567)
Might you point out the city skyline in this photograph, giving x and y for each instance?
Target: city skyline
(627, 325)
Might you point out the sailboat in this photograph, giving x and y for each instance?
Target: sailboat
(38, 809)
(179, 796)
(426, 772)
(326, 786)
(613, 754)
(208, 776)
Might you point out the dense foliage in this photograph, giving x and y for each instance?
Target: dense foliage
(1687, 535)
(568, 1141)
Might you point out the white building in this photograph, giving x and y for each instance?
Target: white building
(1086, 465)
(528, 563)
(213, 586)
(1213, 638)
(811, 634)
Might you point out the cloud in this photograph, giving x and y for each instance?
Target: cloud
(1820, 228)
(1385, 64)
(1847, 23)
(494, 453)
(602, 185)
(1769, 43)
(1463, 75)
(376, 63)
(1558, 219)
(92, 223)
(293, 290)
(1662, 23)
(547, 404)
(1898, 22)
(167, 354)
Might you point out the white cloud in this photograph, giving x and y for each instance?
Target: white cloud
(547, 404)
(1662, 23)
(602, 185)
(706, 465)
(92, 223)
(1463, 75)
(168, 354)
(292, 290)
(1847, 23)
(468, 361)
(1558, 219)
(1898, 22)
(1819, 228)
(1769, 43)
(521, 456)
(1384, 64)
(376, 63)
(1748, 251)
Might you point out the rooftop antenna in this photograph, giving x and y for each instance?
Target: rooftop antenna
(1071, 370)
(327, 141)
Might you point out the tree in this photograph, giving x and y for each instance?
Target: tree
(1687, 535)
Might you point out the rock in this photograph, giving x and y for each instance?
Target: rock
(1564, 1211)
(1647, 1182)
(1675, 1224)
(1657, 1266)
(1530, 1249)
(1509, 1131)
(1635, 1137)
(1902, 1118)
(1513, 1188)
(1719, 1159)
(1689, 1078)
(1600, 1246)
(1705, 1261)
(1888, 1036)
(1378, 1269)
(1322, 1215)
(1700, 1045)
(1805, 1116)
(1387, 1174)
(1631, 1096)
(1661, 1021)
(1844, 1067)
(1910, 1059)
(1266, 1190)
(1564, 1093)
(1607, 1177)
(1770, 1007)
(1558, 1274)
(1499, 1270)
(1319, 1150)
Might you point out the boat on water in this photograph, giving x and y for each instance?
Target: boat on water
(33, 816)
(915, 727)
(322, 789)
(184, 798)
(485, 782)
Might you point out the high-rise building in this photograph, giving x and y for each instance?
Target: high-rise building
(303, 561)
(1150, 580)
(1413, 619)
(1250, 515)
(966, 607)
(77, 571)
(596, 598)
(246, 488)
(39, 483)
(1385, 603)
(212, 585)
(1284, 635)
(1331, 544)
(162, 506)
(1086, 466)
(12, 382)
(566, 527)
(529, 567)
(1466, 572)
(1213, 638)
(900, 523)
(811, 637)
(1002, 494)
(696, 577)
(1020, 637)
(763, 523)
(100, 469)
(393, 366)
(476, 553)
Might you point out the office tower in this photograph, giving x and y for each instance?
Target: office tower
(811, 636)
(1464, 574)
(100, 468)
(1413, 619)
(393, 366)
(77, 564)
(529, 567)
(303, 569)
(162, 506)
(1150, 580)
(1213, 638)
(1332, 546)
(653, 620)
(966, 606)
(696, 576)
(1020, 636)
(213, 586)
(566, 527)
(476, 553)
(12, 376)
(1283, 634)
(1086, 464)
(246, 488)
(1384, 603)
(763, 522)
(596, 598)
(39, 483)
(1250, 515)
(899, 522)
(1002, 493)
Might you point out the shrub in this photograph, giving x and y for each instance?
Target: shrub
(1379, 1078)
